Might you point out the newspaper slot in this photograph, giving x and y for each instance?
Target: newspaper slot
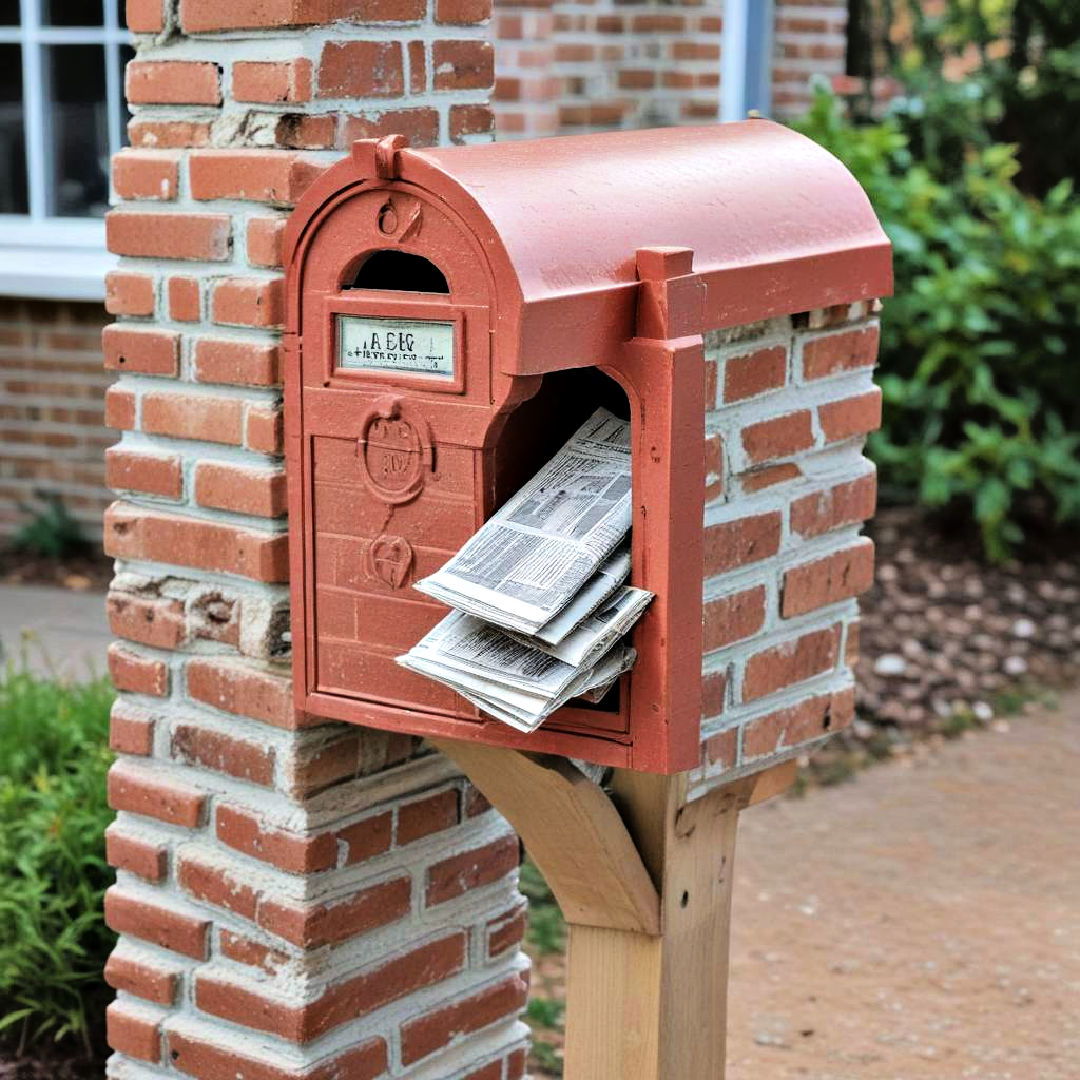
(541, 609)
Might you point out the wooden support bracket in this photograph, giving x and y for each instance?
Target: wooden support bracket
(644, 880)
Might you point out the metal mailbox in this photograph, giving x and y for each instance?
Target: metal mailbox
(454, 314)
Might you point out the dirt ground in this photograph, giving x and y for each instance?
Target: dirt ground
(919, 923)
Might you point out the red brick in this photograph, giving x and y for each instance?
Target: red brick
(842, 504)
(244, 363)
(264, 430)
(131, 729)
(828, 580)
(146, 174)
(515, 1065)
(361, 69)
(754, 373)
(132, 1033)
(129, 294)
(348, 1000)
(834, 353)
(185, 300)
(127, 852)
(463, 65)
(149, 352)
(293, 852)
(426, 816)
(132, 976)
(809, 719)
(173, 82)
(168, 236)
(254, 175)
(366, 838)
(731, 618)
(475, 802)
(272, 82)
(792, 662)
(713, 692)
(779, 437)
(462, 12)
(426, 1034)
(471, 869)
(256, 302)
(721, 749)
(132, 533)
(714, 467)
(210, 15)
(145, 16)
(138, 790)
(168, 134)
(769, 476)
(206, 1061)
(260, 492)
(223, 753)
(852, 416)
(851, 644)
(148, 473)
(420, 126)
(265, 237)
(238, 688)
(252, 953)
(185, 416)
(136, 673)
(745, 540)
(154, 621)
(213, 885)
(312, 925)
(470, 120)
(119, 409)
(506, 931)
(161, 926)
(418, 67)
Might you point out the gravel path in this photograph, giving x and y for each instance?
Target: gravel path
(922, 922)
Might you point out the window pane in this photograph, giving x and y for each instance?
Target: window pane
(78, 129)
(9, 12)
(13, 193)
(127, 54)
(71, 13)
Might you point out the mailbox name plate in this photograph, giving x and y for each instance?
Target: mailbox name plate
(411, 346)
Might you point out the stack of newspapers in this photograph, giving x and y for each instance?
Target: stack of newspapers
(541, 604)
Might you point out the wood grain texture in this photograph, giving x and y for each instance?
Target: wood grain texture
(572, 831)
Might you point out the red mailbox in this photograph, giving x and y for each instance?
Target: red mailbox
(455, 314)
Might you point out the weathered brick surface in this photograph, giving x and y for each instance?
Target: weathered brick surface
(301, 875)
(786, 492)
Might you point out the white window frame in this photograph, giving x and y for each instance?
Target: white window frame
(41, 254)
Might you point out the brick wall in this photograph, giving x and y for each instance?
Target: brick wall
(52, 431)
(295, 899)
(573, 65)
(791, 401)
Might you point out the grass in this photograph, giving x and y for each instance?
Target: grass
(53, 940)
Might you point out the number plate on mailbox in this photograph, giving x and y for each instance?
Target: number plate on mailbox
(411, 346)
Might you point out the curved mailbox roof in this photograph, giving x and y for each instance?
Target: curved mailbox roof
(776, 223)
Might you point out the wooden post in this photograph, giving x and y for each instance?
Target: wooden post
(644, 880)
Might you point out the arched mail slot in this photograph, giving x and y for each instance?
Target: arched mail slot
(454, 313)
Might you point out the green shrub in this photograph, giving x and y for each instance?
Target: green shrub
(53, 940)
(51, 531)
(980, 340)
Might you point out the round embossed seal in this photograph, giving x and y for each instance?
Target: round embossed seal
(394, 452)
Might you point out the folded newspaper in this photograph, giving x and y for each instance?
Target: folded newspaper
(542, 610)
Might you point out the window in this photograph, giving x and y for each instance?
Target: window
(62, 115)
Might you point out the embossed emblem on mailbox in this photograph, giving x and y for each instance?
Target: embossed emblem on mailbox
(395, 449)
(390, 559)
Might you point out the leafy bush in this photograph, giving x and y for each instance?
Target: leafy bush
(980, 340)
(53, 940)
(51, 531)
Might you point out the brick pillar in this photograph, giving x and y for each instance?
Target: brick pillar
(296, 899)
(527, 90)
(790, 403)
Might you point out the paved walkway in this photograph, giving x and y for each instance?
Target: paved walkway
(920, 923)
(56, 629)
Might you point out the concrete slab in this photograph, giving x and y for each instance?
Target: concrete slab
(57, 631)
